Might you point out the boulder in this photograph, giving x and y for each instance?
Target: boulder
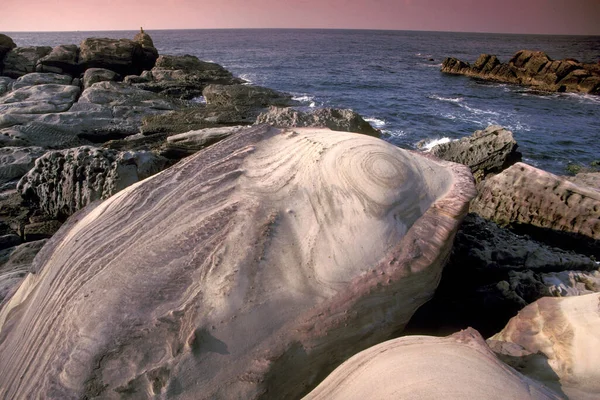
(555, 341)
(523, 194)
(17, 161)
(62, 182)
(36, 78)
(184, 76)
(262, 233)
(493, 273)
(245, 96)
(15, 264)
(531, 68)
(572, 283)
(188, 143)
(62, 59)
(23, 60)
(94, 75)
(39, 99)
(122, 56)
(150, 52)
(332, 118)
(460, 366)
(491, 150)
(6, 45)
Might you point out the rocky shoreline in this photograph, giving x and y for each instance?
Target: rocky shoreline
(531, 68)
(225, 208)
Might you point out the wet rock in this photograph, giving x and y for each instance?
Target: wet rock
(23, 60)
(215, 239)
(245, 96)
(531, 68)
(9, 240)
(487, 151)
(62, 59)
(65, 181)
(332, 118)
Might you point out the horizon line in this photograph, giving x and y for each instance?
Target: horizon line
(321, 29)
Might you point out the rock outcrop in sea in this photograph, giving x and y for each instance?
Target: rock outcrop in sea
(531, 68)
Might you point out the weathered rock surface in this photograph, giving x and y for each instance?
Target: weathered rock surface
(572, 283)
(493, 273)
(5, 84)
(589, 179)
(6, 45)
(63, 59)
(487, 151)
(261, 233)
(150, 52)
(15, 263)
(123, 56)
(37, 78)
(39, 99)
(531, 68)
(17, 161)
(65, 181)
(245, 96)
(188, 143)
(334, 119)
(460, 366)
(523, 194)
(94, 75)
(185, 76)
(23, 60)
(555, 340)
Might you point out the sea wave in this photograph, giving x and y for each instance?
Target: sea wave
(583, 97)
(376, 122)
(430, 65)
(448, 99)
(249, 78)
(306, 99)
(430, 143)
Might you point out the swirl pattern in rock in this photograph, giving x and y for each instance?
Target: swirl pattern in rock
(249, 270)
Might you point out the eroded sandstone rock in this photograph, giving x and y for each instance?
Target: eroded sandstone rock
(63, 59)
(122, 56)
(245, 96)
(15, 264)
(17, 161)
(243, 271)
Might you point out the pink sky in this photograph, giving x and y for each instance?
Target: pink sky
(510, 16)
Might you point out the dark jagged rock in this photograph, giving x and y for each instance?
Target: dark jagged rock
(332, 118)
(488, 151)
(65, 181)
(6, 45)
(122, 56)
(245, 96)
(184, 76)
(62, 59)
(23, 60)
(531, 68)
(492, 273)
(150, 52)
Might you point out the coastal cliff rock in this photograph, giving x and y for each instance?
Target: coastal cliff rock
(486, 151)
(460, 366)
(523, 194)
(23, 60)
(334, 119)
(6, 45)
(555, 341)
(184, 76)
(242, 272)
(245, 96)
(531, 68)
(122, 56)
(62, 182)
(62, 59)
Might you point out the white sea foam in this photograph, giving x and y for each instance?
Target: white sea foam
(198, 100)
(478, 111)
(583, 97)
(376, 122)
(304, 98)
(249, 78)
(429, 144)
(448, 99)
(430, 65)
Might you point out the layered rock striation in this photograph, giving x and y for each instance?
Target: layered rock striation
(531, 68)
(242, 272)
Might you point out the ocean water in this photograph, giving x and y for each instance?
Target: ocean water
(393, 79)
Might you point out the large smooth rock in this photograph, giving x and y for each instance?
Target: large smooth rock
(17, 161)
(486, 151)
(531, 68)
(37, 78)
(15, 264)
(184, 76)
(460, 366)
(62, 182)
(39, 99)
(23, 60)
(242, 272)
(122, 56)
(555, 340)
(245, 96)
(523, 194)
(6, 45)
(332, 118)
(63, 59)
